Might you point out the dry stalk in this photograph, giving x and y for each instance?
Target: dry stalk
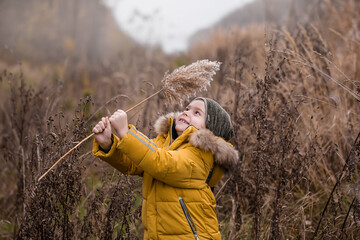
(222, 187)
(86, 138)
(335, 186)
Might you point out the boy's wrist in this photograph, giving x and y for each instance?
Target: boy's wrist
(122, 132)
(106, 145)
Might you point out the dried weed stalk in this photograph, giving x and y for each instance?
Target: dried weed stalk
(56, 208)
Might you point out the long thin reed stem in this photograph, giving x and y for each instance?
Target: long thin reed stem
(63, 156)
(86, 138)
(145, 100)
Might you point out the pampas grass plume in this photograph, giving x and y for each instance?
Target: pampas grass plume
(185, 81)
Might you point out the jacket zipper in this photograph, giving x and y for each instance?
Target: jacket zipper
(188, 218)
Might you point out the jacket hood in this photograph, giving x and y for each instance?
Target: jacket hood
(225, 155)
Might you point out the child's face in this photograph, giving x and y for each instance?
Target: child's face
(194, 115)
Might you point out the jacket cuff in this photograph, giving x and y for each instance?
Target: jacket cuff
(99, 152)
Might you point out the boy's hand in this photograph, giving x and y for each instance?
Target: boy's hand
(102, 132)
(119, 122)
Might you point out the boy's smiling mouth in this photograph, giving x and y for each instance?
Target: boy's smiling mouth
(183, 121)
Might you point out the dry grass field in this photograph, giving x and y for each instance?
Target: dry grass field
(293, 93)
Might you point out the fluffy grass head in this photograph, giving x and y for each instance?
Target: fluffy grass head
(185, 81)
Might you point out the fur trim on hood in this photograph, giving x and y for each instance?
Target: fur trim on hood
(162, 123)
(226, 156)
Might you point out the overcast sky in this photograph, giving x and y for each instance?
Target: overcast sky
(169, 23)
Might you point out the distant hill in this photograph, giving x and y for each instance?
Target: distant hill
(262, 11)
(51, 31)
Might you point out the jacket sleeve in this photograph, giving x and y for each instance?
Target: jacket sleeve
(116, 158)
(179, 168)
(217, 174)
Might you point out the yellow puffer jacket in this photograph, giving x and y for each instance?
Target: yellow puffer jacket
(177, 200)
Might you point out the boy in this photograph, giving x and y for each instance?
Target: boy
(179, 167)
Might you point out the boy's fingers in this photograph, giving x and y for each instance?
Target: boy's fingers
(114, 115)
(95, 130)
(105, 122)
(101, 125)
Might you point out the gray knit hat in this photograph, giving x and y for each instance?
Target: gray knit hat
(217, 119)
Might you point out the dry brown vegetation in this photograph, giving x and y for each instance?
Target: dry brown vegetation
(293, 94)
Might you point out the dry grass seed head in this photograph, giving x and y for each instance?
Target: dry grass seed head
(184, 82)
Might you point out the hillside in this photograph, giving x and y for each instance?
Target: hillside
(52, 31)
(261, 11)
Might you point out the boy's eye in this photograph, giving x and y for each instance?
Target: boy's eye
(197, 113)
(186, 109)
